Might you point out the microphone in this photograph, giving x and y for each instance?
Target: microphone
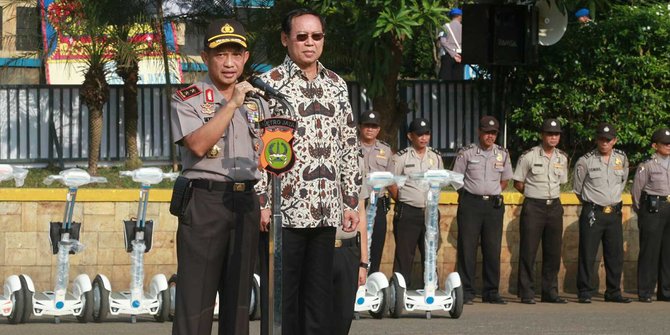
(267, 89)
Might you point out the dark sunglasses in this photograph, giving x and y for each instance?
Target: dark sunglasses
(302, 37)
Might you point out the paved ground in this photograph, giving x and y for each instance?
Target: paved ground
(514, 318)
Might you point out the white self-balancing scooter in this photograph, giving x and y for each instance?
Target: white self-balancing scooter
(430, 298)
(13, 297)
(373, 296)
(64, 237)
(138, 233)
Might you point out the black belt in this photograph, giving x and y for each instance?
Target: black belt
(347, 242)
(481, 197)
(665, 198)
(224, 186)
(547, 202)
(616, 208)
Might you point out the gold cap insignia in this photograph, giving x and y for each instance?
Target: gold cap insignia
(227, 29)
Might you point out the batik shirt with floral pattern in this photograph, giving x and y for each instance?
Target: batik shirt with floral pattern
(325, 179)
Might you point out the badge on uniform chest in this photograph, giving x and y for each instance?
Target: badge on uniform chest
(213, 151)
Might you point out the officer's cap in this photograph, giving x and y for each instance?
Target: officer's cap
(455, 12)
(488, 123)
(370, 117)
(419, 126)
(225, 31)
(551, 126)
(606, 130)
(582, 12)
(661, 136)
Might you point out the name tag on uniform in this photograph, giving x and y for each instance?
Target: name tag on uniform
(409, 165)
(538, 165)
(558, 165)
(498, 165)
(473, 161)
(594, 169)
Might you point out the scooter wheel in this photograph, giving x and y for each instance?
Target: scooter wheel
(255, 304)
(383, 294)
(397, 295)
(164, 306)
(100, 300)
(87, 308)
(28, 305)
(172, 287)
(18, 299)
(457, 306)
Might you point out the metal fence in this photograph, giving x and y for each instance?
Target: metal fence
(40, 124)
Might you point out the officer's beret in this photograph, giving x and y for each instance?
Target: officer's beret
(551, 126)
(582, 12)
(606, 130)
(419, 126)
(225, 31)
(370, 117)
(661, 136)
(489, 123)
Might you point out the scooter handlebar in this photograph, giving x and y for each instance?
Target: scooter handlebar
(74, 178)
(9, 172)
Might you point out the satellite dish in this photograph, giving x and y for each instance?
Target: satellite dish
(552, 22)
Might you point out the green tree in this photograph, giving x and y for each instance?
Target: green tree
(617, 70)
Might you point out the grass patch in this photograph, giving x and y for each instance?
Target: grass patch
(36, 177)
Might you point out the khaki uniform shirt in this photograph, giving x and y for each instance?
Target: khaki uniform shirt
(542, 175)
(407, 162)
(653, 178)
(483, 169)
(598, 181)
(377, 158)
(235, 156)
(325, 179)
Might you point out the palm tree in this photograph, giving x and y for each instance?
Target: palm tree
(87, 25)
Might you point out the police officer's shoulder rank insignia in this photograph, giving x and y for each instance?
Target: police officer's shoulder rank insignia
(189, 92)
(277, 156)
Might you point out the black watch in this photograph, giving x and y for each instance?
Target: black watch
(364, 265)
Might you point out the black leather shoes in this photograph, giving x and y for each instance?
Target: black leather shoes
(555, 300)
(645, 299)
(584, 300)
(529, 301)
(619, 299)
(495, 300)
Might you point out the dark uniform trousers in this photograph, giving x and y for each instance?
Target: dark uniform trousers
(378, 234)
(654, 260)
(409, 229)
(216, 251)
(450, 70)
(478, 217)
(307, 280)
(540, 221)
(608, 229)
(345, 284)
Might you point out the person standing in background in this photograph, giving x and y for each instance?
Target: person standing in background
(451, 66)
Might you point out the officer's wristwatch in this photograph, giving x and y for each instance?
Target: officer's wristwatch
(364, 265)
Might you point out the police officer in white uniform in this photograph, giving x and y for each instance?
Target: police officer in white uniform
(487, 169)
(599, 179)
(539, 174)
(410, 200)
(651, 202)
